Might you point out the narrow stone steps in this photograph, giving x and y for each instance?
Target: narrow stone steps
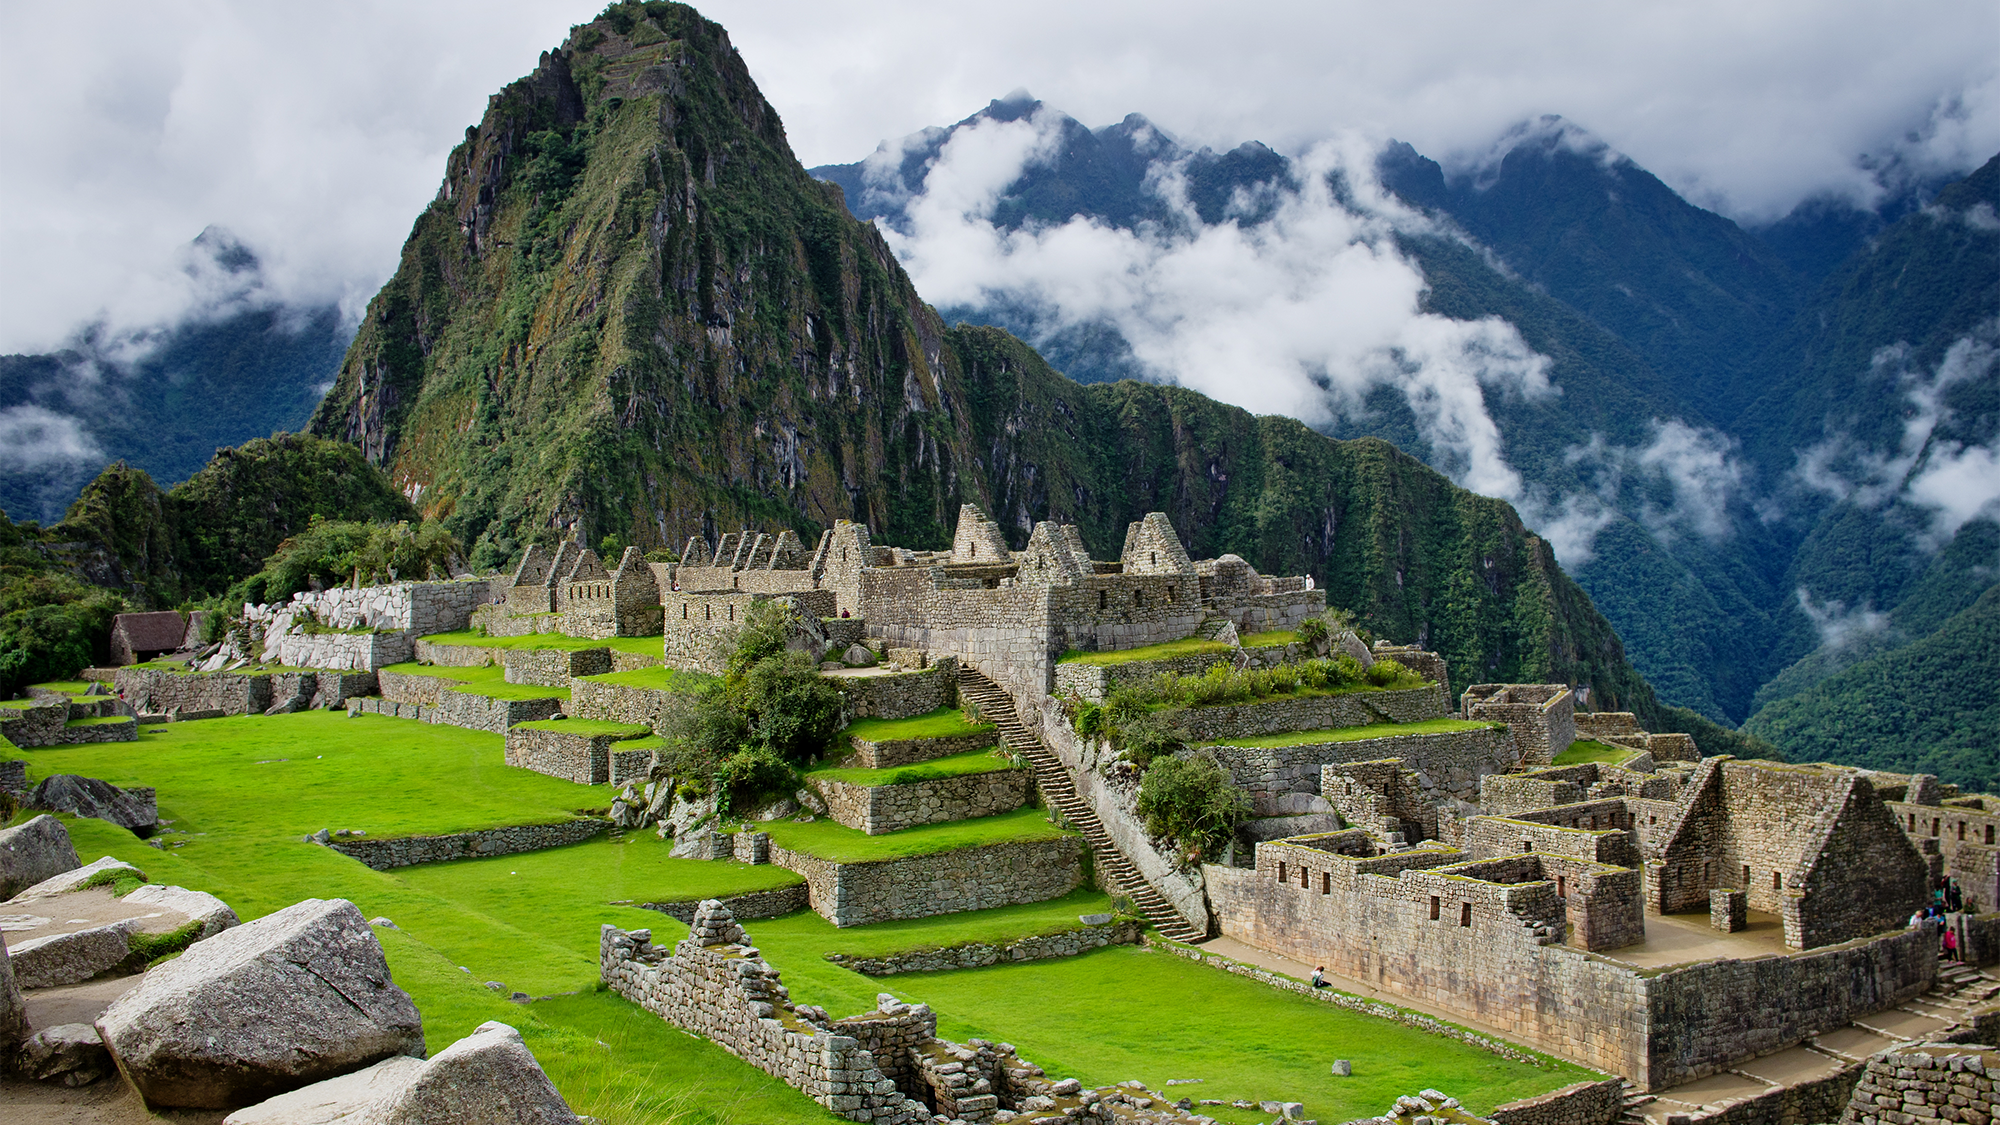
(1057, 788)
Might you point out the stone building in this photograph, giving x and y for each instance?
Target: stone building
(139, 637)
(1814, 845)
(1540, 715)
(594, 603)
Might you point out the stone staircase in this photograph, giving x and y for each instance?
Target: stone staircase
(1634, 1102)
(997, 707)
(1958, 990)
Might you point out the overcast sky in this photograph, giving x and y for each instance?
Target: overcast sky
(317, 132)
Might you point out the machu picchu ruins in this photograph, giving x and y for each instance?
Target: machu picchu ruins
(1718, 939)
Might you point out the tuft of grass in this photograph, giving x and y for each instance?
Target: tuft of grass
(957, 765)
(828, 840)
(1190, 646)
(100, 721)
(1589, 750)
(1270, 638)
(945, 722)
(1351, 734)
(155, 946)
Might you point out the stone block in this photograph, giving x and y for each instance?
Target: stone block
(1729, 910)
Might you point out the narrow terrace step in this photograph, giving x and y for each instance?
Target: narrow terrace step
(1060, 792)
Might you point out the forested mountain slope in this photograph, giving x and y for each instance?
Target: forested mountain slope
(632, 315)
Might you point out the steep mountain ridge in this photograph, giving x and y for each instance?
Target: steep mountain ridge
(631, 315)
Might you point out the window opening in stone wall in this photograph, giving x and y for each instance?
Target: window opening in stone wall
(1527, 845)
(1281, 873)
(1936, 823)
(1562, 887)
(1138, 597)
(1961, 831)
(1913, 822)
(1170, 595)
(1746, 876)
(708, 613)
(1155, 556)
(1989, 833)
(732, 611)
(975, 550)
(1103, 599)
(1653, 818)
(1465, 914)
(1326, 882)
(1777, 880)
(1434, 908)
(684, 611)
(1305, 879)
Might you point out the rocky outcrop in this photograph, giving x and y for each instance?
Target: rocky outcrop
(37, 850)
(489, 1077)
(72, 1054)
(134, 809)
(293, 998)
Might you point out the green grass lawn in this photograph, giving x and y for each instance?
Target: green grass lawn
(1269, 638)
(657, 677)
(98, 721)
(957, 765)
(1123, 1013)
(589, 728)
(945, 722)
(828, 840)
(1588, 750)
(557, 642)
(1351, 734)
(67, 687)
(1190, 646)
(488, 680)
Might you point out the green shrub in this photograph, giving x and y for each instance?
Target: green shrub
(792, 710)
(1285, 679)
(744, 779)
(1156, 734)
(1313, 632)
(1089, 719)
(1192, 801)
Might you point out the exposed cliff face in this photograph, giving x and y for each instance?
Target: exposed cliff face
(631, 312)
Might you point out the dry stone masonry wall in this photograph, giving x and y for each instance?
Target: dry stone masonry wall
(920, 886)
(408, 851)
(878, 809)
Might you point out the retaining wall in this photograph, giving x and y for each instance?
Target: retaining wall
(1095, 681)
(550, 667)
(978, 955)
(156, 691)
(617, 703)
(407, 851)
(889, 753)
(1282, 713)
(774, 903)
(900, 695)
(39, 724)
(584, 759)
(459, 709)
(878, 809)
(976, 878)
(1579, 1103)
(1447, 763)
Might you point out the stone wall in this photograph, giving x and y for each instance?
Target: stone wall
(976, 878)
(618, 703)
(1093, 682)
(124, 730)
(1283, 713)
(461, 709)
(1812, 844)
(360, 652)
(395, 614)
(1492, 952)
(890, 752)
(1816, 1100)
(756, 904)
(1447, 763)
(407, 851)
(1927, 1082)
(548, 667)
(716, 985)
(900, 695)
(979, 955)
(156, 691)
(1542, 716)
(39, 723)
(1580, 1103)
(455, 656)
(1967, 833)
(698, 624)
(583, 759)
(879, 809)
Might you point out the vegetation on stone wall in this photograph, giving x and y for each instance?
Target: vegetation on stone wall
(336, 552)
(1191, 801)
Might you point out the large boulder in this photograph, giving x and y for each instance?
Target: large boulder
(71, 958)
(290, 999)
(13, 1010)
(214, 914)
(135, 809)
(489, 1076)
(100, 872)
(70, 1053)
(33, 852)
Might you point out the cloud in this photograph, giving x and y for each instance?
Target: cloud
(33, 438)
(319, 132)
(1840, 627)
(1956, 481)
(1303, 314)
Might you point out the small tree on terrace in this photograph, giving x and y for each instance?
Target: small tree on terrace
(1192, 802)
